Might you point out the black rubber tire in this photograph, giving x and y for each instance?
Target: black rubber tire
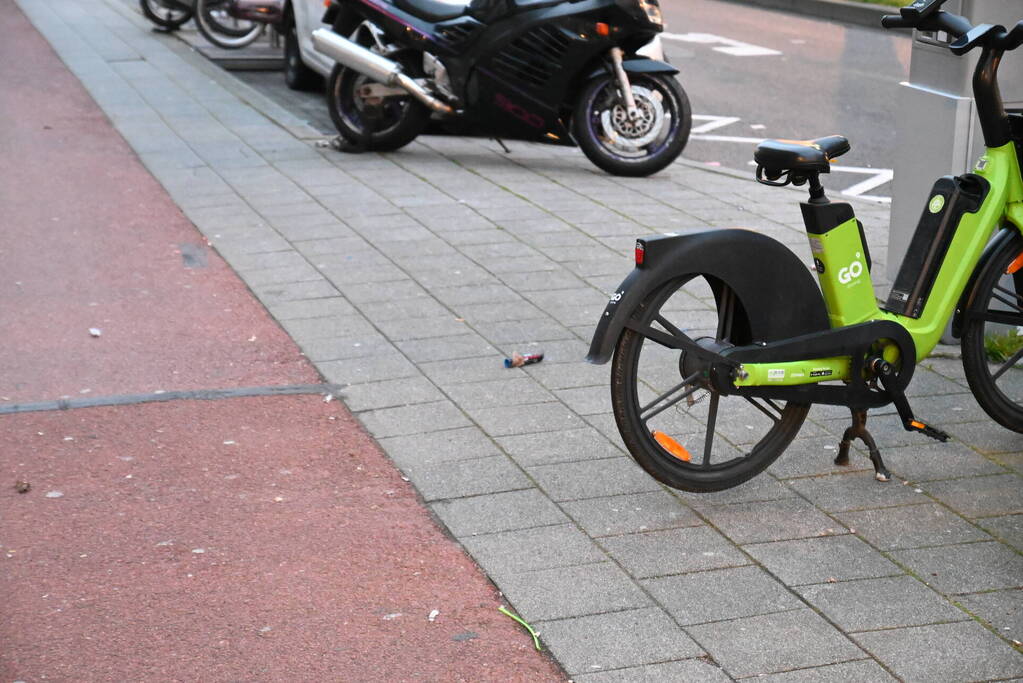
(1004, 408)
(404, 117)
(167, 21)
(297, 76)
(601, 94)
(222, 34)
(737, 465)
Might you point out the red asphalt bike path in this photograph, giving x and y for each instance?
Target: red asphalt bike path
(257, 538)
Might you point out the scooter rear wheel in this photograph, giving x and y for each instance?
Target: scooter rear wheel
(676, 426)
(223, 30)
(633, 146)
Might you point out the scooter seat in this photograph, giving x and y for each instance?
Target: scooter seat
(812, 156)
(432, 10)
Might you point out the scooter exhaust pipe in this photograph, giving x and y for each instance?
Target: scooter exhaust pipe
(370, 64)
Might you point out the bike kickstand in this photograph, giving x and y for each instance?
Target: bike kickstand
(858, 430)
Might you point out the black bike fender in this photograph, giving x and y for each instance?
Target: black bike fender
(781, 297)
(645, 65)
(993, 248)
(636, 64)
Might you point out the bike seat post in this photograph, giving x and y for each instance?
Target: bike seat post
(817, 195)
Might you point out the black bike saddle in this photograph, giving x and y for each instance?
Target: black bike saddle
(812, 156)
(432, 10)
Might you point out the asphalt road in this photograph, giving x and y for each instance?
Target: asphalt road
(752, 73)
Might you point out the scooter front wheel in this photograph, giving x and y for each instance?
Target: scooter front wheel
(633, 145)
(679, 428)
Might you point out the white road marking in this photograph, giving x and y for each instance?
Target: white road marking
(713, 122)
(728, 46)
(878, 176)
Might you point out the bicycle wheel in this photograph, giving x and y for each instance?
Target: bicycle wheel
(167, 14)
(223, 30)
(992, 339)
(678, 428)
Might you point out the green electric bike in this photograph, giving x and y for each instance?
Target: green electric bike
(721, 340)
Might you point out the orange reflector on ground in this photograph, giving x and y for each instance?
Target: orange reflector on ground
(674, 447)
(1015, 265)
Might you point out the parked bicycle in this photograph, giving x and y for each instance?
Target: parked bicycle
(732, 321)
(229, 24)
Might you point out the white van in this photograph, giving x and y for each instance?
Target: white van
(302, 63)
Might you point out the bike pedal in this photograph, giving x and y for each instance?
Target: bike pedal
(927, 430)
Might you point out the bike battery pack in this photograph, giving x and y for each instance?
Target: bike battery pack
(950, 198)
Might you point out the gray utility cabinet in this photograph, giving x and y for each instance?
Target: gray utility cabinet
(938, 132)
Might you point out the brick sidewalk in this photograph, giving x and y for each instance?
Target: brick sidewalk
(406, 277)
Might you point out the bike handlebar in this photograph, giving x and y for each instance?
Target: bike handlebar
(956, 26)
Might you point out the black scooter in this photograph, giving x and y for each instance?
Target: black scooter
(557, 71)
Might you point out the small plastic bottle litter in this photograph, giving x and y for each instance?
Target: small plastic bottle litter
(518, 360)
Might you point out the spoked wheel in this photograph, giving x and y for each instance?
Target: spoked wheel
(223, 30)
(679, 429)
(992, 339)
(633, 146)
(398, 120)
(169, 15)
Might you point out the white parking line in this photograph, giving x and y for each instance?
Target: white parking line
(728, 46)
(878, 176)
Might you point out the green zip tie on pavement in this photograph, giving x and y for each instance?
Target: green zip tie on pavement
(536, 636)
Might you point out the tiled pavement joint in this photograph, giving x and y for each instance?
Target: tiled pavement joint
(406, 277)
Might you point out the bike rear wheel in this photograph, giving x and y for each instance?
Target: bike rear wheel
(677, 427)
(223, 30)
(992, 340)
(167, 15)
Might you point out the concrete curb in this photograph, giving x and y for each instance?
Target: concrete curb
(856, 13)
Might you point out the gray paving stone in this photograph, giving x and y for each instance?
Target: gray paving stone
(630, 514)
(532, 549)
(811, 456)
(462, 478)
(774, 520)
(413, 419)
(964, 568)
(685, 671)
(1008, 529)
(817, 560)
(760, 489)
(1002, 609)
(911, 526)
(854, 492)
(592, 479)
(427, 450)
(322, 349)
(273, 294)
(586, 400)
(615, 641)
(863, 671)
(943, 652)
(981, 496)
(496, 512)
(567, 592)
(932, 461)
(368, 369)
(525, 419)
(774, 643)
(721, 594)
(518, 390)
(468, 345)
(871, 604)
(391, 393)
(987, 437)
(449, 372)
(548, 448)
(673, 551)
